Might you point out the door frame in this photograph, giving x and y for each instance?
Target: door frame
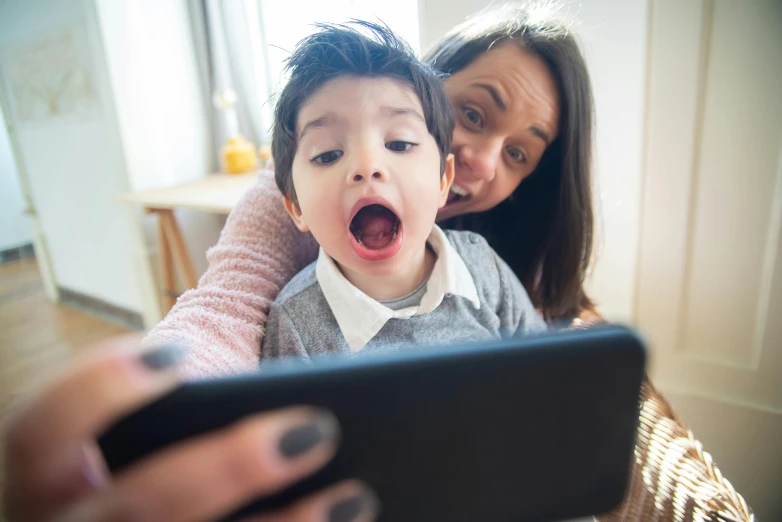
(42, 257)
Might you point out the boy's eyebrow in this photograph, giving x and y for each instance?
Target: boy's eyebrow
(330, 118)
(402, 111)
(324, 121)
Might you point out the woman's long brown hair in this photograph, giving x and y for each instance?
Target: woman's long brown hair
(544, 230)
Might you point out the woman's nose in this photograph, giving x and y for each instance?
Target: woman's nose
(481, 158)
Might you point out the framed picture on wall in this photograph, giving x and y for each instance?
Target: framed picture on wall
(51, 79)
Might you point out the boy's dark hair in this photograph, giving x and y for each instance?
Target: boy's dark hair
(338, 50)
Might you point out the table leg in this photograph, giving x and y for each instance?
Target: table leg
(168, 291)
(178, 248)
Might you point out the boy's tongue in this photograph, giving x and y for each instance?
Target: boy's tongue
(375, 227)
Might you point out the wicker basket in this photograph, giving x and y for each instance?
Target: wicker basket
(673, 479)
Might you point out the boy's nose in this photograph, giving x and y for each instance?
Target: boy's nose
(367, 168)
(359, 177)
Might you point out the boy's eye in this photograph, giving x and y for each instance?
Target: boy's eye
(399, 146)
(328, 157)
(473, 116)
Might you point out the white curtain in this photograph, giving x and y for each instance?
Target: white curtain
(230, 39)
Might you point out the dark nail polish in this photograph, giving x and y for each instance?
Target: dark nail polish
(163, 357)
(304, 438)
(351, 508)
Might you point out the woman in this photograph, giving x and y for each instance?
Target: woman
(522, 99)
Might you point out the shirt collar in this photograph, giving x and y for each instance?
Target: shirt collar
(360, 317)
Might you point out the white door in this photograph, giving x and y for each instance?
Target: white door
(709, 290)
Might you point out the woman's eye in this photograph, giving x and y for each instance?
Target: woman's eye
(399, 146)
(328, 157)
(516, 154)
(473, 116)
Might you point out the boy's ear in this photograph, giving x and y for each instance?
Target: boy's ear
(295, 213)
(446, 180)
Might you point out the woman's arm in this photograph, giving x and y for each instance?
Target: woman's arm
(222, 321)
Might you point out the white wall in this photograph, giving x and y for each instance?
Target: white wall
(437, 17)
(14, 226)
(161, 111)
(613, 37)
(75, 166)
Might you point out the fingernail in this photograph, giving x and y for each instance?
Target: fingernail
(163, 357)
(93, 469)
(303, 438)
(364, 505)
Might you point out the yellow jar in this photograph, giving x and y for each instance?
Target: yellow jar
(238, 156)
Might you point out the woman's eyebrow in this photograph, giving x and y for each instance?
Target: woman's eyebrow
(495, 95)
(540, 133)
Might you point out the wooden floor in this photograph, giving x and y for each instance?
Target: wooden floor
(37, 335)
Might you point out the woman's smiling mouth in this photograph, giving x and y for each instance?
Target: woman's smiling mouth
(457, 194)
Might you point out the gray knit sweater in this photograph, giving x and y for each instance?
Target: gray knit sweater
(301, 323)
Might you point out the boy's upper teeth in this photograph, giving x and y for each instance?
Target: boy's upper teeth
(458, 190)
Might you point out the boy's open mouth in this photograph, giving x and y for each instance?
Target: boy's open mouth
(376, 231)
(375, 227)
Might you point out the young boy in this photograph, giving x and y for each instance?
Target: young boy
(361, 152)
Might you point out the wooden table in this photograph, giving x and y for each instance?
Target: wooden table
(217, 194)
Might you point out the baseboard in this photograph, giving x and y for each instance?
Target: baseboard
(116, 314)
(15, 254)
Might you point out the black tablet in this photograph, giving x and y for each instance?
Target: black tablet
(533, 429)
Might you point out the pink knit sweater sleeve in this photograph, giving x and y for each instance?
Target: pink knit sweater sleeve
(222, 321)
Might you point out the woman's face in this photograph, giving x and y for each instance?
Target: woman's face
(506, 107)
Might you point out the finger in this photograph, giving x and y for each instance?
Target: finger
(49, 458)
(214, 474)
(85, 398)
(349, 501)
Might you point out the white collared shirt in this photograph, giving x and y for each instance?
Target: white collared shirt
(360, 317)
